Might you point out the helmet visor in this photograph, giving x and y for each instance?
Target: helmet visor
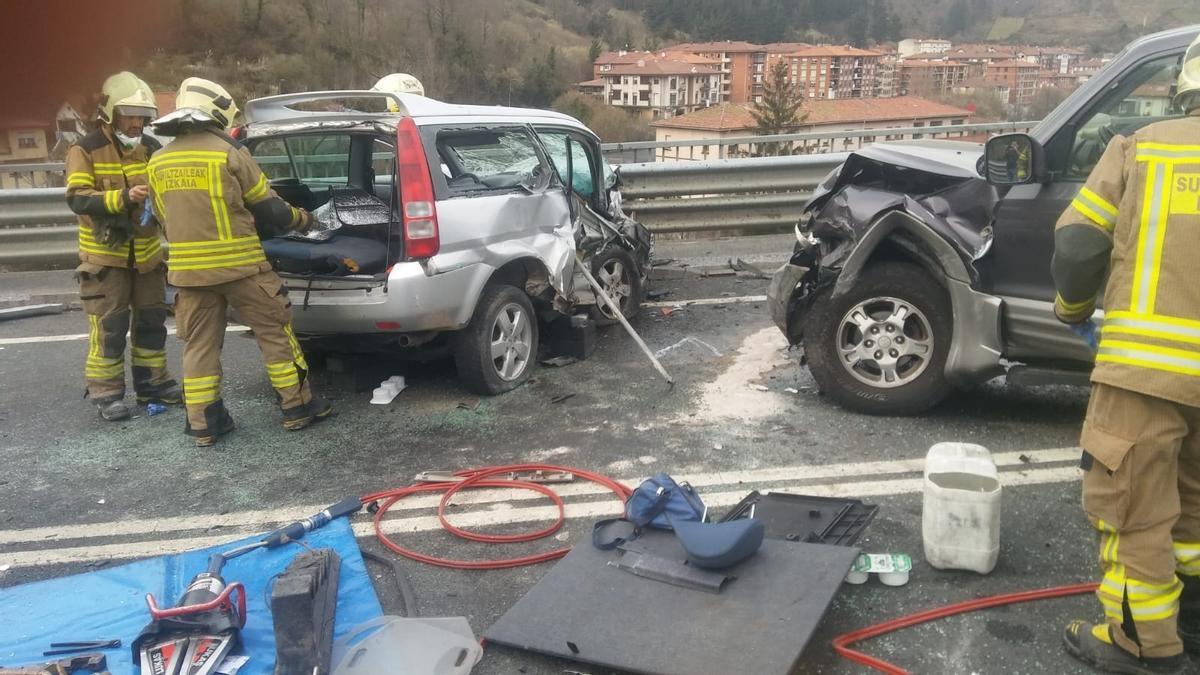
(135, 111)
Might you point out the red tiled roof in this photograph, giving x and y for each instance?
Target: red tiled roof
(1013, 63)
(592, 83)
(716, 46)
(785, 47)
(661, 68)
(736, 116)
(833, 50)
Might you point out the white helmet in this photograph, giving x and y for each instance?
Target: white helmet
(125, 94)
(199, 101)
(1187, 94)
(399, 83)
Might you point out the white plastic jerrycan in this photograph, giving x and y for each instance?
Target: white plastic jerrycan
(960, 519)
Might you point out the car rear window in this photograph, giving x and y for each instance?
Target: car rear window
(313, 158)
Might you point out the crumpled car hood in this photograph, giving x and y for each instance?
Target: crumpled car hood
(935, 182)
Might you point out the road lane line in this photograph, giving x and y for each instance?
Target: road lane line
(264, 519)
(364, 528)
(708, 301)
(84, 336)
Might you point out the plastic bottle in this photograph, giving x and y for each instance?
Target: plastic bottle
(960, 519)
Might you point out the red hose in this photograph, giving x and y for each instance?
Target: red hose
(841, 644)
(479, 478)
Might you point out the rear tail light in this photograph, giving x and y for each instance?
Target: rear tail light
(418, 208)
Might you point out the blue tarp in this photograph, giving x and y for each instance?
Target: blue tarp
(110, 604)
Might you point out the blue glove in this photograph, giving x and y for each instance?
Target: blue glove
(1088, 331)
(147, 213)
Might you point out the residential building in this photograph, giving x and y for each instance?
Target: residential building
(1148, 100)
(830, 72)
(924, 77)
(1054, 79)
(662, 87)
(592, 87)
(730, 120)
(739, 63)
(1059, 59)
(23, 141)
(982, 85)
(1020, 76)
(910, 46)
(885, 77)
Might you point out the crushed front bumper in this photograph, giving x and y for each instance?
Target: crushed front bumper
(779, 294)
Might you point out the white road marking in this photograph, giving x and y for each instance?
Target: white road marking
(263, 519)
(364, 528)
(707, 301)
(84, 336)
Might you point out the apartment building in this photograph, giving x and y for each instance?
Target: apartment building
(911, 46)
(829, 72)
(738, 63)
(23, 141)
(1021, 77)
(662, 87)
(730, 120)
(886, 84)
(927, 77)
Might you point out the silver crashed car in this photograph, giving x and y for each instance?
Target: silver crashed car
(445, 226)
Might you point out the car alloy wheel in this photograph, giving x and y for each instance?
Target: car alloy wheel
(512, 341)
(614, 278)
(885, 342)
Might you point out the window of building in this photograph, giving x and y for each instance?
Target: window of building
(674, 98)
(671, 84)
(5, 148)
(26, 142)
(644, 96)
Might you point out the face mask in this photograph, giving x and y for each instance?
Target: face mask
(128, 142)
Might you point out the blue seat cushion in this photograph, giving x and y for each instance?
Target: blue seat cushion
(717, 545)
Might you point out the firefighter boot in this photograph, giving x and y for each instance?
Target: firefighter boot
(113, 409)
(218, 422)
(166, 393)
(1189, 614)
(1093, 645)
(295, 419)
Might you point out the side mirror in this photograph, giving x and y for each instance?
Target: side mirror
(1012, 159)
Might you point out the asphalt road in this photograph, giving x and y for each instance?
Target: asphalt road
(77, 492)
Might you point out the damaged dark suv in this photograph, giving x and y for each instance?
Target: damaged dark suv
(922, 267)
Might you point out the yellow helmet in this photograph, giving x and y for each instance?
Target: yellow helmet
(1187, 94)
(207, 99)
(126, 94)
(399, 83)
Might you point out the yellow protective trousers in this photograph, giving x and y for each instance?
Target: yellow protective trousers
(1141, 490)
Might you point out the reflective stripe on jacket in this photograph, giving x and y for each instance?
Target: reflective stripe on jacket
(1144, 195)
(207, 191)
(98, 180)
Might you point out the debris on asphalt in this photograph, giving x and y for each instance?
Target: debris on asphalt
(559, 361)
(689, 340)
(960, 514)
(564, 397)
(661, 262)
(24, 311)
(657, 295)
(668, 311)
(469, 405)
(744, 267)
(760, 387)
(792, 390)
(716, 272)
(153, 409)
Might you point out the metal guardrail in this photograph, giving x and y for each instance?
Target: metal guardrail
(765, 194)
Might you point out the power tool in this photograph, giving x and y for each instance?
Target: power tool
(193, 637)
(196, 635)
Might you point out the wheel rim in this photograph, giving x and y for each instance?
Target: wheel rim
(614, 279)
(512, 342)
(885, 342)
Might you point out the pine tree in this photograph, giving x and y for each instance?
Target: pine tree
(779, 112)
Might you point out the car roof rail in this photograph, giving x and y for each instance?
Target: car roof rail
(282, 106)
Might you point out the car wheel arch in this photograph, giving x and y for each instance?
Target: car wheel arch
(909, 238)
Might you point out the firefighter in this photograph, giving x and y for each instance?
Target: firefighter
(215, 204)
(122, 279)
(1136, 221)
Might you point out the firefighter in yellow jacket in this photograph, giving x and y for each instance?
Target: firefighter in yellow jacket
(122, 280)
(214, 203)
(1137, 221)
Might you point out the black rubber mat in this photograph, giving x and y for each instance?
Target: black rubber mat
(587, 610)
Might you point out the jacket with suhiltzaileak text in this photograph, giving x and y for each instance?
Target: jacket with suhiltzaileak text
(214, 202)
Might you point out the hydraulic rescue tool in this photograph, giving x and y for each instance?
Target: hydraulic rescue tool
(196, 635)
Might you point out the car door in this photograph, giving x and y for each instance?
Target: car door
(498, 198)
(1018, 266)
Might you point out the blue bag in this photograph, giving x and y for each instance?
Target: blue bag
(655, 503)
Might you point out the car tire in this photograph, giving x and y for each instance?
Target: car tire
(495, 353)
(619, 275)
(881, 347)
